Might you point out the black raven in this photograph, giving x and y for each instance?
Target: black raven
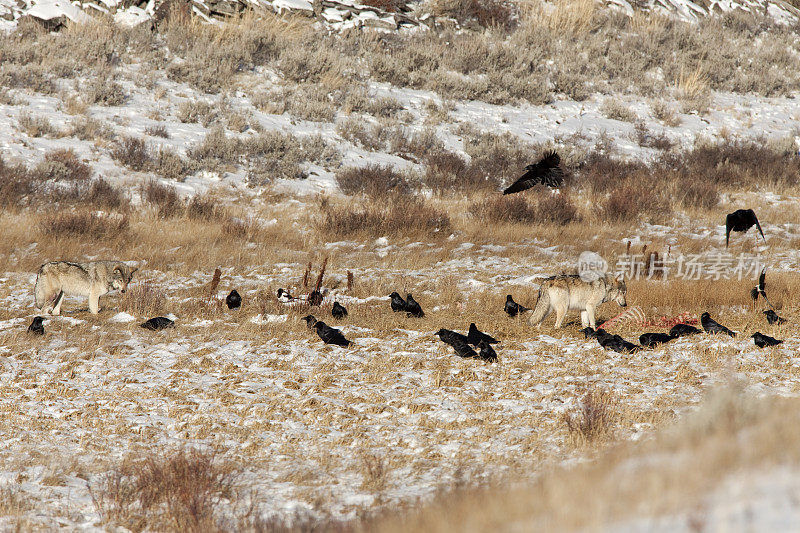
(310, 321)
(398, 304)
(762, 340)
(513, 308)
(741, 220)
(474, 336)
(487, 352)
(338, 310)
(615, 342)
(712, 326)
(413, 308)
(651, 340)
(36, 327)
(330, 335)
(158, 323)
(547, 172)
(773, 318)
(589, 333)
(451, 337)
(682, 330)
(463, 349)
(233, 300)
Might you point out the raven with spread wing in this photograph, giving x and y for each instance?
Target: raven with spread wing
(547, 172)
(741, 220)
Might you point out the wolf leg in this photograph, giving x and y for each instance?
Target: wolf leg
(590, 316)
(59, 298)
(94, 303)
(561, 312)
(584, 319)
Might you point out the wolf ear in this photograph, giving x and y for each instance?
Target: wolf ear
(134, 269)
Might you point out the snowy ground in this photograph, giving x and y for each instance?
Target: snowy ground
(305, 420)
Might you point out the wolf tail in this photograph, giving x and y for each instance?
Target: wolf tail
(542, 308)
(40, 298)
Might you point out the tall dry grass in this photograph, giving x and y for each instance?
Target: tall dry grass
(732, 433)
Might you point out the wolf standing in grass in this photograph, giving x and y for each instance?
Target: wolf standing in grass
(570, 292)
(93, 279)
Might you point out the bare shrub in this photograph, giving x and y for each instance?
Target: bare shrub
(734, 162)
(413, 145)
(396, 215)
(499, 158)
(484, 13)
(164, 198)
(693, 90)
(132, 152)
(697, 193)
(447, 171)
(62, 166)
(102, 194)
(202, 112)
(203, 208)
(557, 208)
(647, 139)
(179, 491)
(80, 224)
(239, 121)
(615, 110)
(245, 229)
(594, 418)
(157, 130)
(143, 299)
(360, 101)
(603, 172)
(169, 165)
(506, 209)
(33, 77)
(8, 98)
(308, 64)
(665, 113)
(34, 126)
(627, 202)
(105, 91)
(15, 184)
(370, 137)
(216, 150)
(546, 209)
(89, 129)
(372, 180)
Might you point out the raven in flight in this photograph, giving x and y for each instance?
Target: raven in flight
(741, 220)
(547, 172)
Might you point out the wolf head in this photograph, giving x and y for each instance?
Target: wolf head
(121, 277)
(616, 290)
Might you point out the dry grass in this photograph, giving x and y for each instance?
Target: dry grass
(372, 180)
(178, 491)
(395, 215)
(84, 225)
(593, 419)
(731, 433)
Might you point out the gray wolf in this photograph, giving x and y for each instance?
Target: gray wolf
(569, 292)
(57, 279)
